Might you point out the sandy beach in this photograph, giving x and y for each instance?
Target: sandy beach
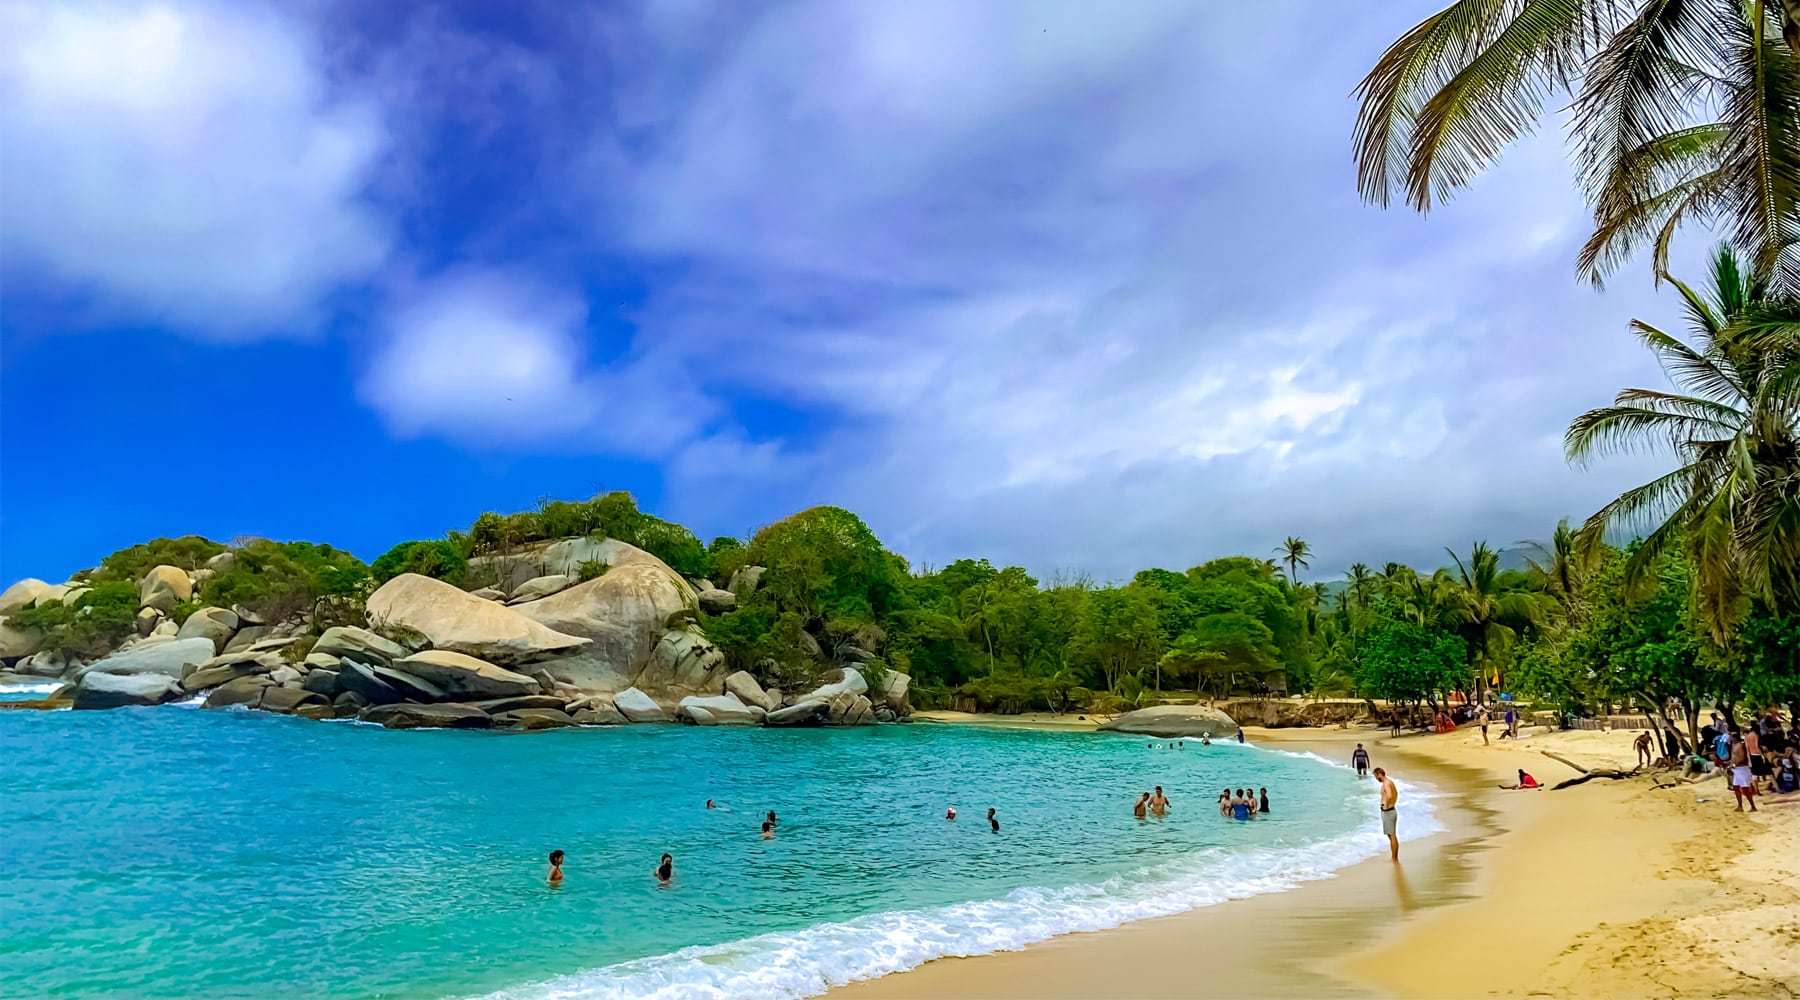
(1605, 889)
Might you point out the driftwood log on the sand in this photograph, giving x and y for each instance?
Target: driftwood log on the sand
(1587, 774)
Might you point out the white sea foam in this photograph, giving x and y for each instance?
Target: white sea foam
(807, 962)
(31, 687)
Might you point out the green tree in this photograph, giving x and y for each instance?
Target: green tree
(1735, 430)
(1294, 551)
(1489, 617)
(1403, 661)
(1684, 112)
(1119, 633)
(440, 559)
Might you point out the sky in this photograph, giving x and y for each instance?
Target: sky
(1073, 286)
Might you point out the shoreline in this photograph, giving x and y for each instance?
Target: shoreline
(1603, 889)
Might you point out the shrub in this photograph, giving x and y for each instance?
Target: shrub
(280, 579)
(186, 552)
(441, 560)
(593, 569)
(96, 622)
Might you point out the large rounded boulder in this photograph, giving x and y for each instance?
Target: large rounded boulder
(164, 587)
(96, 690)
(217, 624)
(623, 612)
(451, 619)
(1187, 721)
(23, 595)
(172, 659)
(463, 676)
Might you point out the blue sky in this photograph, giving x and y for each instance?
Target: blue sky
(1059, 284)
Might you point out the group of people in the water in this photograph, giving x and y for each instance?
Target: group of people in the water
(1244, 803)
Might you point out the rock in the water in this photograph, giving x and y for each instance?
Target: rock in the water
(859, 712)
(359, 644)
(722, 710)
(317, 712)
(696, 715)
(283, 674)
(891, 692)
(743, 583)
(171, 659)
(599, 714)
(463, 676)
(164, 587)
(445, 716)
(531, 719)
(412, 687)
(683, 662)
(852, 684)
(44, 663)
(18, 643)
(361, 680)
(490, 594)
(245, 690)
(638, 706)
(1175, 720)
(717, 602)
(216, 624)
(351, 700)
(750, 692)
(246, 637)
(102, 690)
(541, 586)
(322, 681)
(286, 699)
(624, 613)
(495, 706)
(884, 714)
(805, 713)
(22, 595)
(463, 623)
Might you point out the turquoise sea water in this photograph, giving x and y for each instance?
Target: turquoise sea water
(175, 852)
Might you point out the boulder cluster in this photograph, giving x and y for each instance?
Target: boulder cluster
(574, 632)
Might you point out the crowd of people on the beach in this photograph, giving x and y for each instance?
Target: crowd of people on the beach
(1761, 758)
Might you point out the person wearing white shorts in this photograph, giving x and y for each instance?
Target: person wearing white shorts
(1743, 783)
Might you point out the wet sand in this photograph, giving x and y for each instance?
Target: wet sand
(1600, 890)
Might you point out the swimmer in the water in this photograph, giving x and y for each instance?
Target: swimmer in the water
(709, 804)
(950, 813)
(993, 822)
(768, 830)
(1142, 806)
(556, 867)
(770, 817)
(1159, 803)
(666, 870)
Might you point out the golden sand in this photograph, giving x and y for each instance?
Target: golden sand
(1605, 889)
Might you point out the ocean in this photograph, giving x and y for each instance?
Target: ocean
(177, 852)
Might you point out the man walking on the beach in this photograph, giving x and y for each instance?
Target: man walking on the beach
(1390, 796)
(1481, 716)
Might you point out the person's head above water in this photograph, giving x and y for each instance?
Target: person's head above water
(771, 816)
(950, 813)
(556, 857)
(709, 804)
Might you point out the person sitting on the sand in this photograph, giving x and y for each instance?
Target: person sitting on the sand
(1525, 781)
(1159, 803)
(1787, 771)
(556, 859)
(1142, 808)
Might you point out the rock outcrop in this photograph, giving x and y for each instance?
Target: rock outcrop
(358, 644)
(683, 663)
(18, 643)
(465, 676)
(718, 710)
(1175, 721)
(217, 624)
(164, 587)
(446, 716)
(103, 690)
(744, 582)
(172, 659)
(891, 692)
(717, 602)
(532, 719)
(623, 614)
(460, 622)
(637, 706)
(745, 688)
(541, 586)
(22, 595)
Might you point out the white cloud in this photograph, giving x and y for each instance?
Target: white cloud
(184, 162)
(489, 358)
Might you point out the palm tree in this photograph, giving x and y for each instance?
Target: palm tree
(1360, 583)
(1734, 427)
(1294, 553)
(1490, 616)
(1561, 568)
(1684, 111)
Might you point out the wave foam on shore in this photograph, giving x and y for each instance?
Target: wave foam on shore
(792, 964)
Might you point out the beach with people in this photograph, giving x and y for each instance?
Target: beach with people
(1608, 889)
